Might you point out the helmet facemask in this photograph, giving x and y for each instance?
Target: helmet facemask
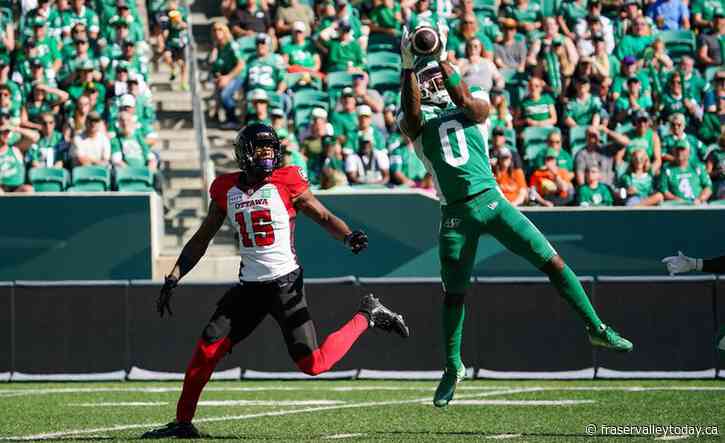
(432, 89)
(246, 145)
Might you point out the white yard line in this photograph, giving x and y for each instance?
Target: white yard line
(115, 428)
(340, 436)
(214, 403)
(502, 436)
(519, 402)
(156, 390)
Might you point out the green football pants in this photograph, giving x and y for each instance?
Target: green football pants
(489, 213)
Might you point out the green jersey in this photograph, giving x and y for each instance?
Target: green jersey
(686, 183)
(454, 150)
(645, 143)
(599, 196)
(227, 58)
(698, 149)
(132, 150)
(12, 168)
(563, 160)
(708, 8)
(583, 111)
(264, 73)
(643, 184)
(46, 150)
(404, 160)
(537, 109)
(300, 54)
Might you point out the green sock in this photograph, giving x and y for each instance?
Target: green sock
(573, 292)
(453, 334)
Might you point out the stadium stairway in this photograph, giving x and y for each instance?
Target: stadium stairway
(182, 183)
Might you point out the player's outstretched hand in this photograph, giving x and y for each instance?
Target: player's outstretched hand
(163, 303)
(356, 241)
(680, 263)
(406, 51)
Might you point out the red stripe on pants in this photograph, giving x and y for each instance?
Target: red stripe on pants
(205, 358)
(335, 346)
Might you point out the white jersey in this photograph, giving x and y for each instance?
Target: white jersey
(264, 217)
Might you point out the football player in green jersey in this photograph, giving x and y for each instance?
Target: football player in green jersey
(448, 123)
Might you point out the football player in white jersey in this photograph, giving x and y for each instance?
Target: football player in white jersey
(261, 202)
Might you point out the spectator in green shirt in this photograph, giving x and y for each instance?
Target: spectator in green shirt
(704, 12)
(713, 122)
(683, 183)
(553, 146)
(584, 109)
(366, 129)
(50, 149)
(630, 68)
(675, 100)
(693, 84)
(128, 149)
(386, 18)
(80, 13)
(300, 53)
(632, 101)
(638, 182)
(467, 30)
(538, 108)
(594, 193)
(344, 121)
(227, 63)
(644, 138)
(406, 169)
(42, 100)
(677, 134)
(528, 15)
(343, 52)
(634, 44)
(333, 166)
(260, 108)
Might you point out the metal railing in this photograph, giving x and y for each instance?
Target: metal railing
(199, 121)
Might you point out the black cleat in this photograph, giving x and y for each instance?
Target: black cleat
(381, 317)
(174, 430)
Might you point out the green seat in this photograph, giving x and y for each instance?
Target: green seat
(134, 179)
(302, 116)
(48, 179)
(382, 42)
(338, 80)
(710, 73)
(310, 98)
(385, 80)
(383, 60)
(678, 43)
(534, 139)
(91, 179)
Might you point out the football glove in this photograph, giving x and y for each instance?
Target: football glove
(163, 303)
(406, 51)
(680, 263)
(356, 241)
(441, 53)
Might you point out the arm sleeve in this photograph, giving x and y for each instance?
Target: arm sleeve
(715, 265)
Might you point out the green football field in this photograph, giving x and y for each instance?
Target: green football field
(371, 410)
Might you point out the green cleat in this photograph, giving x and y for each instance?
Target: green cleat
(447, 386)
(609, 338)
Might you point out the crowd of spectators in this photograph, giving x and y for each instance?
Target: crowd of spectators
(593, 102)
(76, 110)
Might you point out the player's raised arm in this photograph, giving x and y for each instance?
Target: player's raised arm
(190, 255)
(309, 205)
(410, 123)
(475, 109)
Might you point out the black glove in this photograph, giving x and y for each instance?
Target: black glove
(356, 241)
(163, 303)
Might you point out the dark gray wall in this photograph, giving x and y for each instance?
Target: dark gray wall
(511, 325)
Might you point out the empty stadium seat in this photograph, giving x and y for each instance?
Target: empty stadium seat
(678, 43)
(385, 80)
(534, 139)
(134, 179)
(383, 60)
(48, 179)
(90, 179)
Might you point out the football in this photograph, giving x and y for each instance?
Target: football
(425, 41)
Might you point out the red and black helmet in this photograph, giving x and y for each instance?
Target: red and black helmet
(246, 143)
